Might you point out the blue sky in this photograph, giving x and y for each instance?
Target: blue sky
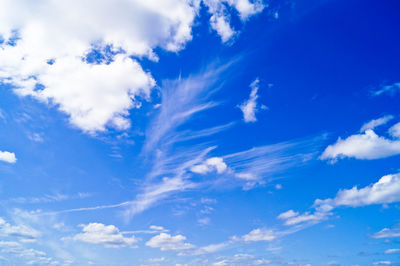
(213, 132)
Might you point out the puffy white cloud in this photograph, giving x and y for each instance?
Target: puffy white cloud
(214, 163)
(388, 233)
(386, 190)
(165, 242)
(93, 95)
(258, 234)
(376, 123)
(47, 44)
(107, 235)
(249, 107)
(362, 146)
(392, 251)
(8, 157)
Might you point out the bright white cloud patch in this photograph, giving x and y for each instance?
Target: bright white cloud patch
(8, 157)
(107, 235)
(214, 163)
(95, 91)
(249, 107)
(165, 242)
(386, 190)
(362, 146)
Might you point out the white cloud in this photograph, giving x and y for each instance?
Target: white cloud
(257, 235)
(362, 146)
(165, 242)
(288, 214)
(28, 255)
(100, 95)
(388, 233)
(392, 251)
(8, 157)
(386, 190)
(220, 18)
(214, 163)
(249, 107)
(394, 131)
(107, 235)
(376, 123)
(23, 232)
(293, 218)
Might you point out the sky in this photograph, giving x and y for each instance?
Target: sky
(199, 132)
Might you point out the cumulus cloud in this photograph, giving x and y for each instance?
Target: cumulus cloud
(107, 235)
(8, 157)
(386, 190)
(376, 123)
(249, 107)
(96, 91)
(166, 241)
(214, 163)
(367, 146)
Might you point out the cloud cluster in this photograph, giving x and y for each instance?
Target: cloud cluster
(78, 55)
(107, 235)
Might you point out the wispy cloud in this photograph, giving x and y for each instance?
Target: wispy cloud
(391, 89)
(250, 107)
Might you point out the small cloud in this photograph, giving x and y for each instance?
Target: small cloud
(250, 107)
(8, 157)
(166, 242)
(392, 251)
(107, 235)
(214, 163)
